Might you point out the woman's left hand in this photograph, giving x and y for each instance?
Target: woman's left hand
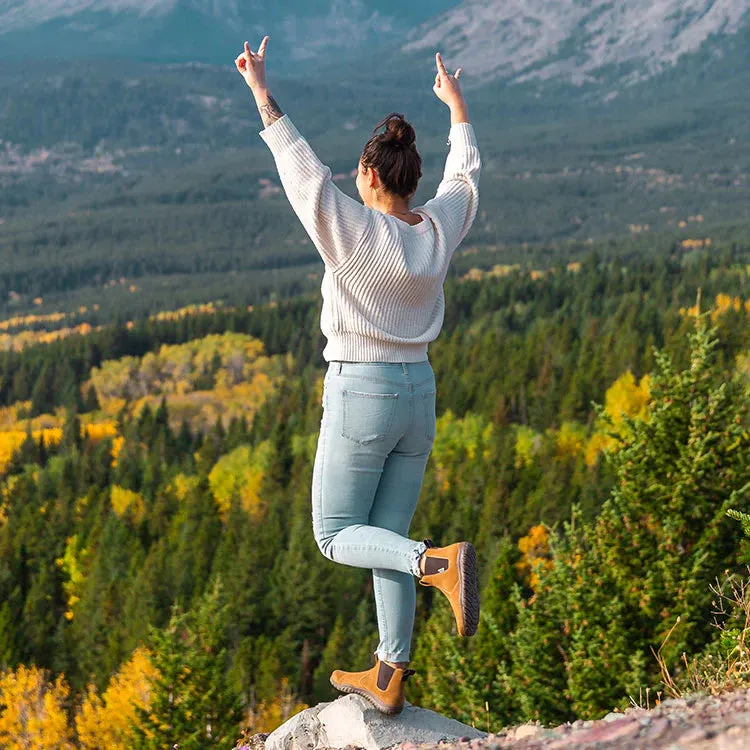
(252, 66)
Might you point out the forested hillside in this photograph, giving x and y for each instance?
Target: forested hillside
(155, 178)
(159, 581)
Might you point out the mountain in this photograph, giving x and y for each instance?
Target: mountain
(578, 41)
(203, 30)
(516, 41)
(88, 141)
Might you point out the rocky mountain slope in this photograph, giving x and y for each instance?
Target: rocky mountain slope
(573, 41)
(578, 40)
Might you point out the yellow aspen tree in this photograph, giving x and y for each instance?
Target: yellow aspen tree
(240, 475)
(569, 440)
(534, 548)
(32, 711)
(117, 444)
(624, 398)
(126, 501)
(528, 444)
(105, 722)
(72, 564)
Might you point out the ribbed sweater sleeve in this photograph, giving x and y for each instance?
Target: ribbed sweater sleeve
(457, 197)
(335, 222)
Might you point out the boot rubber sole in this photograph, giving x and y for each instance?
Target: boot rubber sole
(382, 707)
(468, 595)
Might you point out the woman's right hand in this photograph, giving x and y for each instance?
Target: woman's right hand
(252, 66)
(446, 87)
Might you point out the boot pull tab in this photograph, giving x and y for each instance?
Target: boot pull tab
(407, 673)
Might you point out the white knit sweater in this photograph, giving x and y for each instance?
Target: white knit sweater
(383, 282)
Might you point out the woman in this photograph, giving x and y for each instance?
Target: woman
(385, 264)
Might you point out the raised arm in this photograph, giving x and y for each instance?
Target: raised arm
(335, 222)
(457, 197)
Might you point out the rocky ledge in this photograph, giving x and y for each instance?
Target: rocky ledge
(691, 723)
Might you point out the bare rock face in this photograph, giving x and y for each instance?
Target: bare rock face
(351, 720)
(575, 40)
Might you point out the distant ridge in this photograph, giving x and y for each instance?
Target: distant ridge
(203, 30)
(579, 41)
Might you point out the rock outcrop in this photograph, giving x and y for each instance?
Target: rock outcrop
(694, 722)
(351, 720)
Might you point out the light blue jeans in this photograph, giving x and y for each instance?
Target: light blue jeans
(375, 437)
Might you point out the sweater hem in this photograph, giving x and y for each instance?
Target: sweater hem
(370, 350)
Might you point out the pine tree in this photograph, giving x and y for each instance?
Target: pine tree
(27, 453)
(8, 627)
(664, 534)
(467, 679)
(605, 660)
(440, 663)
(541, 641)
(191, 705)
(362, 632)
(43, 393)
(334, 657)
(616, 587)
(490, 647)
(71, 435)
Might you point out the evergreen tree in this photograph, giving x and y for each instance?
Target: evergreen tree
(471, 682)
(71, 434)
(161, 416)
(43, 393)
(605, 663)
(334, 657)
(487, 686)
(362, 631)
(665, 524)
(7, 637)
(192, 705)
(540, 643)
(642, 569)
(27, 453)
(439, 662)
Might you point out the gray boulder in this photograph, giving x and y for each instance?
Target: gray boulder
(351, 720)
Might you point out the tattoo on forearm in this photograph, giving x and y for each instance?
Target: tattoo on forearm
(270, 112)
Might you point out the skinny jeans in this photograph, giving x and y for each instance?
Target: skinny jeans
(376, 434)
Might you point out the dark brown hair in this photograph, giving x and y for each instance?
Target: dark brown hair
(394, 154)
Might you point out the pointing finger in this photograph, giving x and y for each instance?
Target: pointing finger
(458, 73)
(262, 48)
(440, 66)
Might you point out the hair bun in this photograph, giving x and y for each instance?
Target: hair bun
(398, 131)
(393, 153)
